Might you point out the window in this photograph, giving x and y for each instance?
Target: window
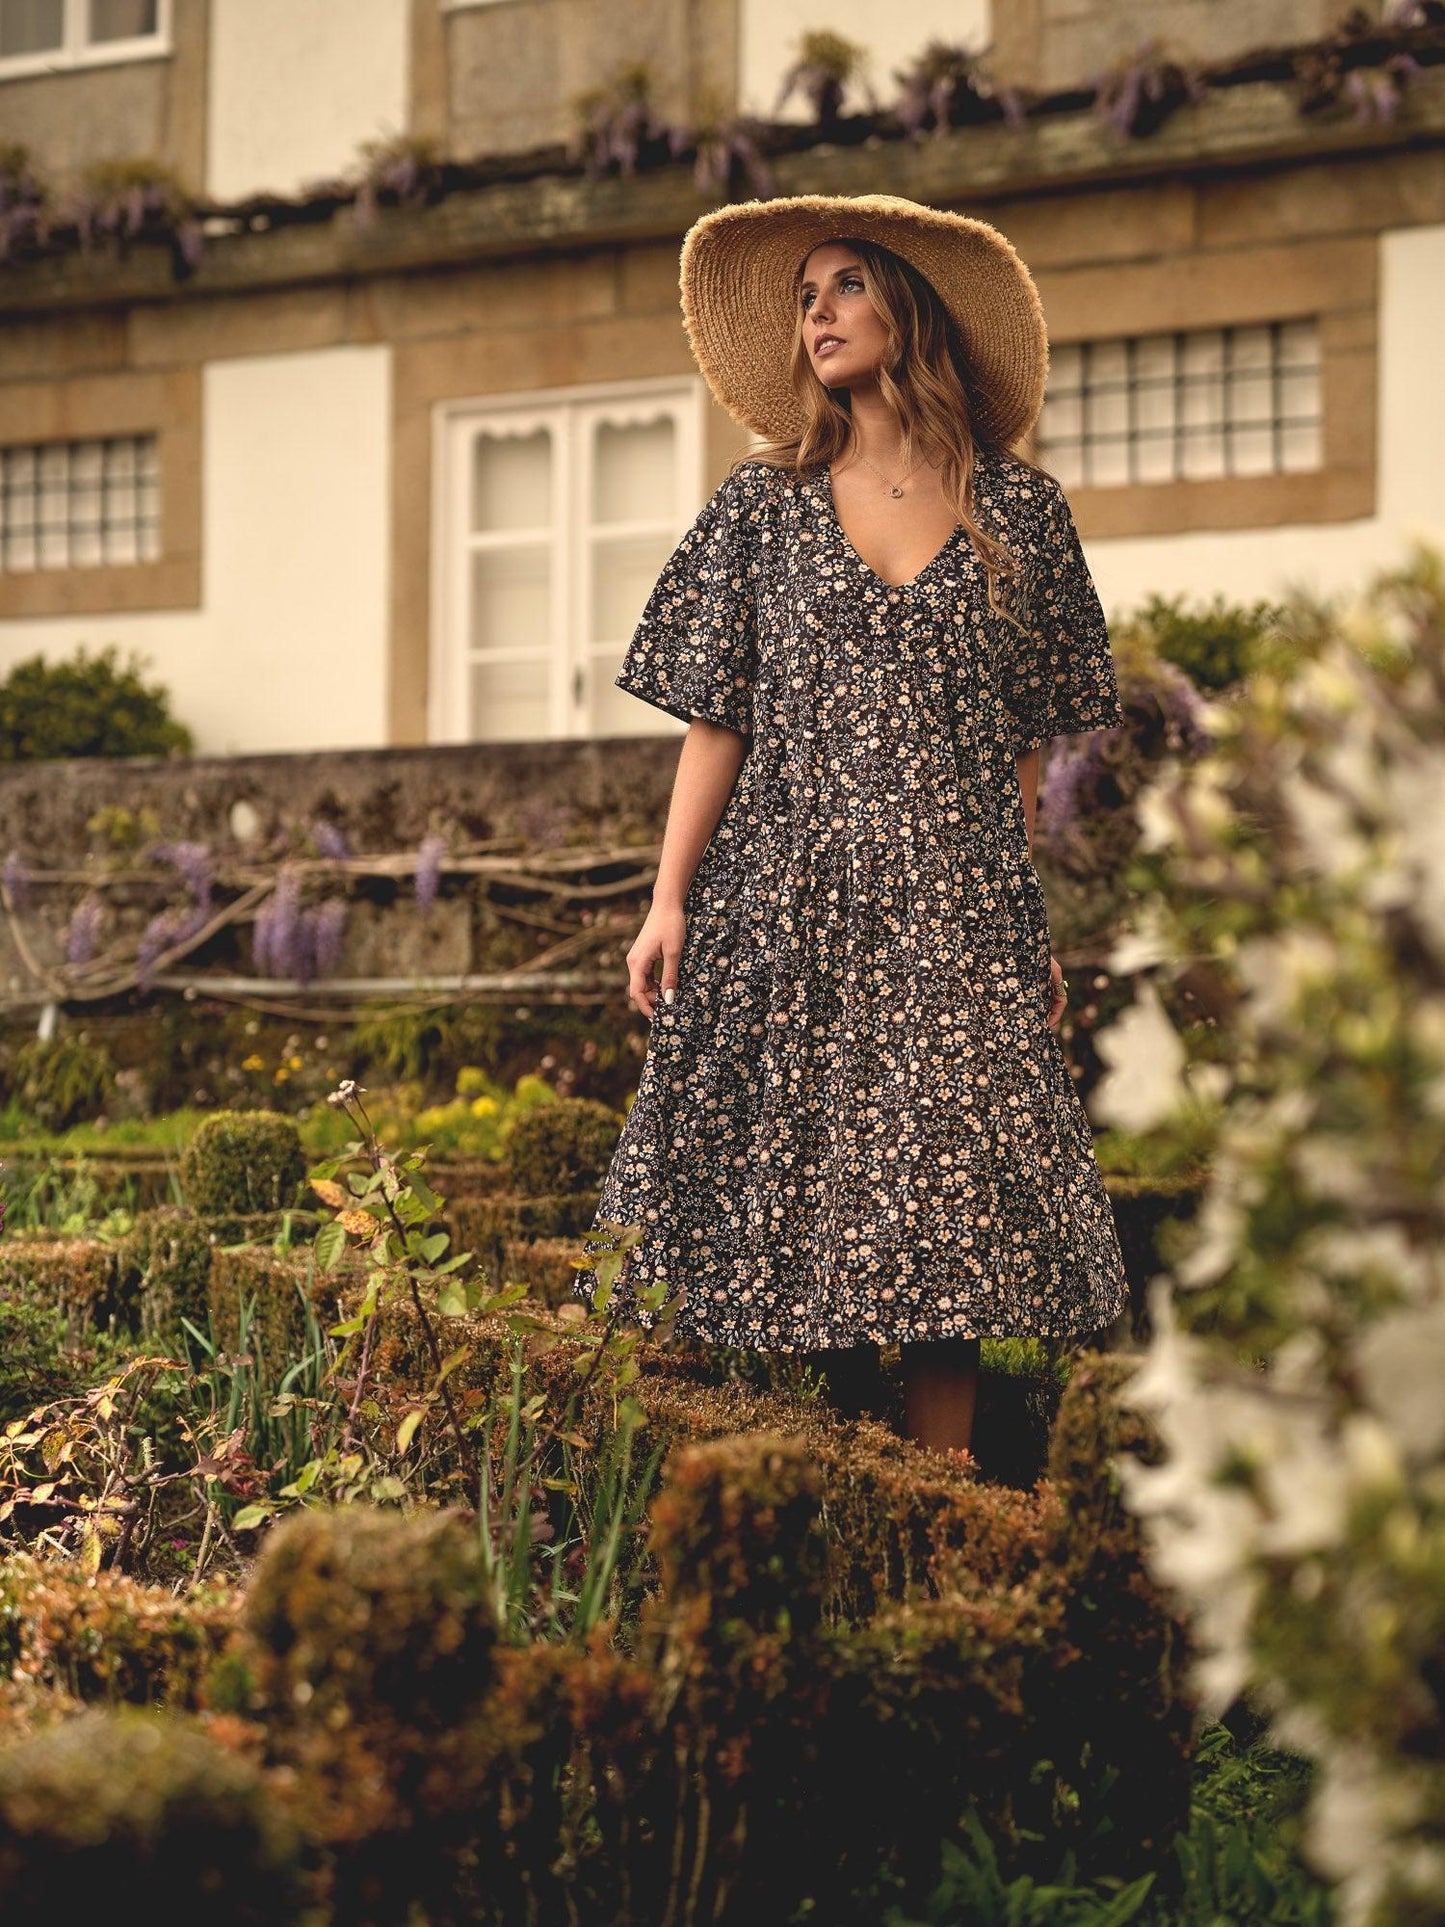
(77, 505)
(555, 517)
(1184, 405)
(40, 36)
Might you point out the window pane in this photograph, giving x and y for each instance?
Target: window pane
(75, 505)
(624, 569)
(31, 26)
(508, 701)
(633, 471)
(511, 599)
(122, 19)
(512, 481)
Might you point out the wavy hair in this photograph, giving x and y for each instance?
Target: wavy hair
(923, 377)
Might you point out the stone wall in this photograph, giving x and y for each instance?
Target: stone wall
(531, 800)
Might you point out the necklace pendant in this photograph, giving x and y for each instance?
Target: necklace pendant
(896, 490)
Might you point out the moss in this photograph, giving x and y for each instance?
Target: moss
(367, 1649)
(282, 1285)
(107, 1810)
(239, 1162)
(563, 1146)
(1131, 1681)
(79, 1276)
(498, 1228)
(66, 1081)
(163, 1271)
(108, 1637)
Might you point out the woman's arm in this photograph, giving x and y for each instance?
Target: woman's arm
(707, 769)
(1028, 769)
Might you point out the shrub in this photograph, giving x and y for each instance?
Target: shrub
(106, 1811)
(66, 1081)
(282, 1284)
(1216, 644)
(243, 1161)
(561, 1147)
(41, 1356)
(366, 1644)
(104, 1636)
(86, 706)
(77, 1276)
(163, 1271)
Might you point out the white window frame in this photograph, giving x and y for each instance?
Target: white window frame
(571, 414)
(77, 49)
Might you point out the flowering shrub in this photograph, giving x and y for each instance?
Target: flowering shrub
(1294, 1371)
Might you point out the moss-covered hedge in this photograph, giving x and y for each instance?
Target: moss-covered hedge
(108, 1813)
(243, 1161)
(106, 1637)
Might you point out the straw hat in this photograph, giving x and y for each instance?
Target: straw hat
(736, 276)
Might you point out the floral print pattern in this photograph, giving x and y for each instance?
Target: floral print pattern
(853, 1123)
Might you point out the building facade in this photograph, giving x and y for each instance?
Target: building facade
(354, 485)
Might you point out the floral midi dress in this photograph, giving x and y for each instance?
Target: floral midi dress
(853, 1124)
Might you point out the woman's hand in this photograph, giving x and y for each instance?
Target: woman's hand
(659, 940)
(1060, 992)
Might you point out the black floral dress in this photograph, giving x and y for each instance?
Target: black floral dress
(853, 1123)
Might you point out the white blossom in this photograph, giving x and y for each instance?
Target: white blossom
(1144, 1081)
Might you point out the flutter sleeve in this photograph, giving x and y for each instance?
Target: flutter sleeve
(694, 652)
(1058, 677)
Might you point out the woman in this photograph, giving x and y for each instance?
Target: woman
(855, 1125)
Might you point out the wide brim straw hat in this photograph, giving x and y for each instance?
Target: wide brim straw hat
(738, 305)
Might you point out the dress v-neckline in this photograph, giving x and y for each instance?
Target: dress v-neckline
(847, 542)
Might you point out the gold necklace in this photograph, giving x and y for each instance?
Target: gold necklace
(894, 488)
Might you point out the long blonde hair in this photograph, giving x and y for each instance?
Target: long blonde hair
(923, 377)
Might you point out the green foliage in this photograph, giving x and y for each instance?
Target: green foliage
(86, 706)
(41, 1357)
(975, 1893)
(64, 1081)
(1217, 644)
(562, 1147)
(110, 1810)
(163, 1271)
(243, 1161)
(1238, 1861)
(275, 1411)
(68, 1197)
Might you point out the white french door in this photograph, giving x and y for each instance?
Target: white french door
(554, 514)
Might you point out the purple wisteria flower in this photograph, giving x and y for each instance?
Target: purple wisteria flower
(164, 932)
(328, 924)
(83, 930)
(330, 839)
(429, 870)
(192, 861)
(274, 939)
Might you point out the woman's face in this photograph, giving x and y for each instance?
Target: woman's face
(842, 330)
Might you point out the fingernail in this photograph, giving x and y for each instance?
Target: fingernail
(667, 995)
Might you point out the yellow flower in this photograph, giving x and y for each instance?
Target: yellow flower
(253, 1063)
(485, 1107)
(294, 1062)
(281, 1074)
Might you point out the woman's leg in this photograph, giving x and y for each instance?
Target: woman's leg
(940, 1384)
(852, 1377)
